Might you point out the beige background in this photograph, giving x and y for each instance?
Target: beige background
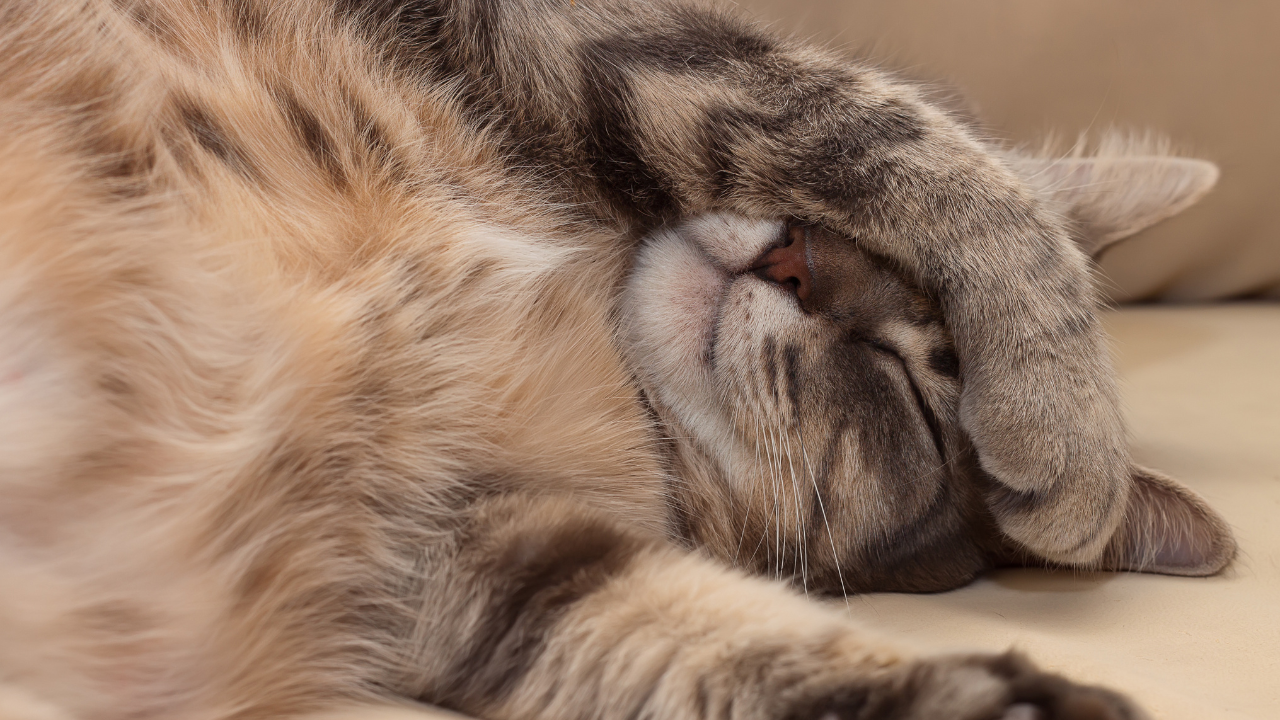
(1204, 72)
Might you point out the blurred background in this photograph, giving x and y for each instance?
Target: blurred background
(1206, 73)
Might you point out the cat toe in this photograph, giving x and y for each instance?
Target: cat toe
(1008, 687)
(1037, 695)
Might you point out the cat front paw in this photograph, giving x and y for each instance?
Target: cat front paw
(972, 687)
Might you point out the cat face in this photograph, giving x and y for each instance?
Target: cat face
(811, 394)
(810, 391)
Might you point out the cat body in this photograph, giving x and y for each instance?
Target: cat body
(343, 361)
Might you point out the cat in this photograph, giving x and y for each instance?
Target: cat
(488, 354)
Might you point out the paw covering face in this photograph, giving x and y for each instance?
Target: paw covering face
(814, 395)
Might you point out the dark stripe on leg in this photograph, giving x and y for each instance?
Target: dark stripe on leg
(378, 146)
(695, 43)
(540, 574)
(247, 19)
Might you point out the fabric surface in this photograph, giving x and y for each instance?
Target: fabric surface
(1200, 71)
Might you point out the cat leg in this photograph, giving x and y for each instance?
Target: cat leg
(546, 610)
(388, 710)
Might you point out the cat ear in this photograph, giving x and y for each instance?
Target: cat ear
(1117, 192)
(1168, 529)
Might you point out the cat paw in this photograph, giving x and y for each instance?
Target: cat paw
(975, 687)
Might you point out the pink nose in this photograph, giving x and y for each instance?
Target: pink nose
(787, 265)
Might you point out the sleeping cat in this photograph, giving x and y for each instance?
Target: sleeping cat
(487, 354)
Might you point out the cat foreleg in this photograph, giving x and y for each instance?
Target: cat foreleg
(553, 611)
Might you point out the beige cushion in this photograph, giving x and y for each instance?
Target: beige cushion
(1204, 72)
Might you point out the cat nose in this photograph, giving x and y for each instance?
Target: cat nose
(788, 265)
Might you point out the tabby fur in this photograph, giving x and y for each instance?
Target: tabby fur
(323, 383)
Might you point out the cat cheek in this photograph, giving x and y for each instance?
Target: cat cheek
(672, 300)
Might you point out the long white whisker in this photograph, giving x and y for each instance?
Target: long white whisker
(771, 454)
(765, 532)
(746, 510)
(781, 499)
(795, 491)
(835, 555)
(768, 458)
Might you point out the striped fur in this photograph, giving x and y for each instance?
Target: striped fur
(329, 372)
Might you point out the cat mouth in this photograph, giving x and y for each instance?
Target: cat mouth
(758, 269)
(675, 298)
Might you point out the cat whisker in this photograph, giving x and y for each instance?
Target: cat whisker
(746, 511)
(801, 531)
(795, 491)
(770, 460)
(835, 555)
(773, 558)
(765, 531)
(802, 536)
(779, 499)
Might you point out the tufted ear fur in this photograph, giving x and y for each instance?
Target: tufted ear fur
(1125, 186)
(1168, 529)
